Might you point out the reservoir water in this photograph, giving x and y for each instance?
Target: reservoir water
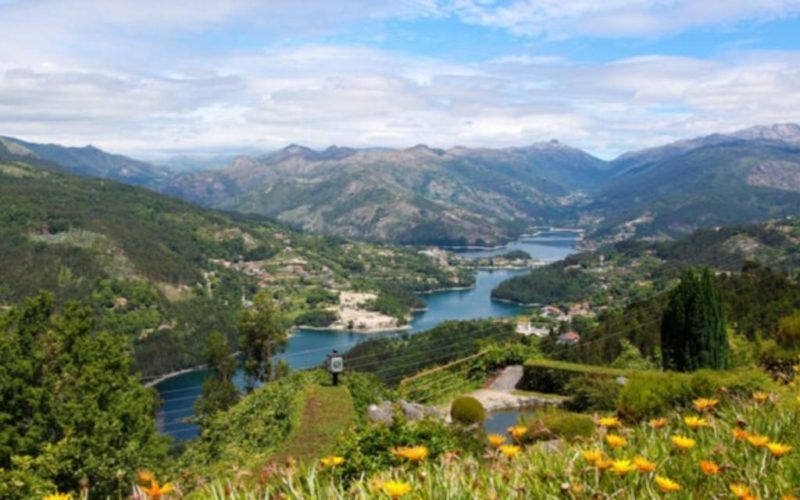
(308, 348)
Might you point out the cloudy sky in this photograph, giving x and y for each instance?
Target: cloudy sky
(151, 78)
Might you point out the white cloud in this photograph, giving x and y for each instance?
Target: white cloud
(613, 18)
(146, 87)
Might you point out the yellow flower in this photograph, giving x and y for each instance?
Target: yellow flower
(496, 439)
(604, 463)
(509, 450)
(592, 456)
(332, 461)
(709, 468)
(609, 422)
(757, 441)
(739, 434)
(788, 497)
(411, 453)
(658, 423)
(155, 491)
(615, 440)
(695, 422)
(704, 404)
(622, 467)
(57, 496)
(517, 431)
(396, 489)
(644, 465)
(778, 449)
(760, 396)
(145, 477)
(666, 484)
(683, 443)
(739, 490)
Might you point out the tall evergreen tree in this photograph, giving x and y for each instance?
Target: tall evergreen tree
(219, 391)
(71, 408)
(693, 334)
(263, 335)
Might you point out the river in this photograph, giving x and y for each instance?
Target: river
(308, 348)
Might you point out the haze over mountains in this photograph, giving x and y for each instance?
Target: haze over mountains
(465, 195)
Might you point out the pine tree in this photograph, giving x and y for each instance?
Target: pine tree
(693, 334)
(263, 335)
(70, 404)
(219, 391)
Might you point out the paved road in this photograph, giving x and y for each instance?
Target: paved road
(507, 381)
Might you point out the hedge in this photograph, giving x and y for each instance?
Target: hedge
(551, 376)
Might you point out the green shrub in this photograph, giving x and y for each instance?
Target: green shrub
(650, 394)
(592, 393)
(369, 448)
(547, 375)
(551, 423)
(467, 410)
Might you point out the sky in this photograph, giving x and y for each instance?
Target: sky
(159, 78)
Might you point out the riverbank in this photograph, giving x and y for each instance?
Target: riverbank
(178, 373)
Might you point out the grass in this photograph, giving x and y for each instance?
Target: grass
(540, 470)
(326, 412)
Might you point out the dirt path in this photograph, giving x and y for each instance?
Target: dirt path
(327, 412)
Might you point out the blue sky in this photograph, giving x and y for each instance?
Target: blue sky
(152, 78)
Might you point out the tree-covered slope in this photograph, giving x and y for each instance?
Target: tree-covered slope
(166, 273)
(89, 161)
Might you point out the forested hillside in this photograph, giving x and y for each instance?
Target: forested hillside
(166, 273)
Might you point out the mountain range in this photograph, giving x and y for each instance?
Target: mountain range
(483, 196)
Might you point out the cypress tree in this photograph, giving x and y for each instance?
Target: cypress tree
(693, 332)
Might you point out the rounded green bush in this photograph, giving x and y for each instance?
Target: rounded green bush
(467, 410)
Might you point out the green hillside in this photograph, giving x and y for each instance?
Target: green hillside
(166, 273)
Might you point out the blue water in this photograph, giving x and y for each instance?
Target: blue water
(308, 348)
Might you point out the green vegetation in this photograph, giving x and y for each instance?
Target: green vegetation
(548, 375)
(71, 408)
(693, 332)
(165, 273)
(467, 410)
(262, 336)
(553, 423)
(392, 359)
(327, 411)
(219, 391)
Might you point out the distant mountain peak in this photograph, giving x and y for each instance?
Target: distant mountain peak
(788, 132)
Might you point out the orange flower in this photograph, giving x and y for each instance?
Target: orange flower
(739, 490)
(757, 441)
(705, 404)
(739, 434)
(609, 422)
(695, 423)
(683, 443)
(411, 453)
(155, 491)
(517, 431)
(592, 456)
(644, 465)
(658, 423)
(778, 449)
(145, 477)
(709, 468)
(615, 440)
(666, 484)
(496, 439)
(760, 396)
(604, 463)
